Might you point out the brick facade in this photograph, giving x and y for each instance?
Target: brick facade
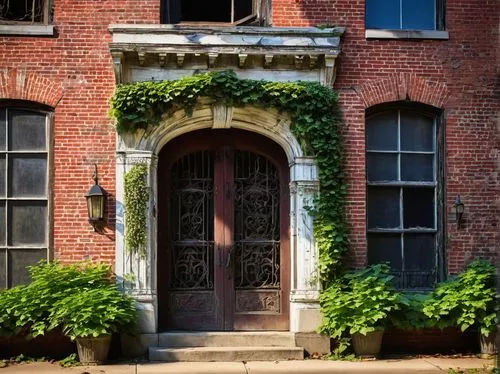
(72, 73)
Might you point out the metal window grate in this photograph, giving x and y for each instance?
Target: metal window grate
(24, 11)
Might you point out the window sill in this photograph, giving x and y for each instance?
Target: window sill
(27, 30)
(406, 34)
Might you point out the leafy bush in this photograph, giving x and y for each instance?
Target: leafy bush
(359, 302)
(410, 314)
(94, 312)
(28, 309)
(467, 300)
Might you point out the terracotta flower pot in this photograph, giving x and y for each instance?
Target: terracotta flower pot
(367, 345)
(93, 350)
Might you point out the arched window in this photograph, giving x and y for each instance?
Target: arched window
(404, 193)
(24, 190)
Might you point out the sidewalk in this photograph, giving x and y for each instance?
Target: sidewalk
(403, 365)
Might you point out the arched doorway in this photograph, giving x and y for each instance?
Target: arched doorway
(223, 232)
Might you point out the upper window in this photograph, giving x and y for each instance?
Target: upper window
(403, 194)
(405, 14)
(23, 192)
(24, 11)
(231, 12)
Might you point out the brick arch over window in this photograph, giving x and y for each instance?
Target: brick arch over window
(402, 87)
(17, 84)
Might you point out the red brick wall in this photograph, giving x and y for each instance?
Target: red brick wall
(457, 75)
(73, 72)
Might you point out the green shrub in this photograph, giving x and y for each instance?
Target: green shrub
(359, 302)
(467, 300)
(94, 312)
(26, 309)
(410, 314)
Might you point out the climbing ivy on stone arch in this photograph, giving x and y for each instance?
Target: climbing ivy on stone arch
(316, 123)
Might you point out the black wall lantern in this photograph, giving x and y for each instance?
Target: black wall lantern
(95, 203)
(459, 210)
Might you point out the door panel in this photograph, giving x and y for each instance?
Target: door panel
(256, 236)
(191, 242)
(223, 252)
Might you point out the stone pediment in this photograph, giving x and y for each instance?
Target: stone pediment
(158, 52)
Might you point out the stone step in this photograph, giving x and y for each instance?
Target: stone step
(179, 339)
(207, 354)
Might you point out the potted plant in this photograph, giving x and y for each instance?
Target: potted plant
(359, 304)
(468, 300)
(90, 316)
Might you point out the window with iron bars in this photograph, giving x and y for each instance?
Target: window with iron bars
(24, 11)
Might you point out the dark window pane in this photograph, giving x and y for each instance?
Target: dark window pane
(242, 9)
(18, 260)
(3, 126)
(418, 207)
(382, 132)
(28, 176)
(3, 269)
(417, 167)
(28, 223)
(419, 15)
(26, 131)
(382, 14)
(419, 252)
(385, 248)
(382, 166)
(383, 207)
(30, 11)
(2, 175)
(416, 132)
(3, 227)
(199, 11)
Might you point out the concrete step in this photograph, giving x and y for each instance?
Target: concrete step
(226, 339)
(227, 354)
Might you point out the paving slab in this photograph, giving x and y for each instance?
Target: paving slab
(48, 368)
(423, 365)
(191, 368)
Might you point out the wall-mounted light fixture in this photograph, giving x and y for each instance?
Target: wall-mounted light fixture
(95, 202)
(459, 210)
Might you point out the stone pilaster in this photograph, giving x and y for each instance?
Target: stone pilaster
(304, 307)
(137, 273)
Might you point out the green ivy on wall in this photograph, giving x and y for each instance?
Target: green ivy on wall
(136, 202)
(316, 122)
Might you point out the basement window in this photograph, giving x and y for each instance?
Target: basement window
(219, 12)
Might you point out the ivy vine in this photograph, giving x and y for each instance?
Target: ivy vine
(136, 202)
(316, 123)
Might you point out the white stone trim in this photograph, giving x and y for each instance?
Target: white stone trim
(28, 30)
(406, 34)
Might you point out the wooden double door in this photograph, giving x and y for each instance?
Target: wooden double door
(223, 226)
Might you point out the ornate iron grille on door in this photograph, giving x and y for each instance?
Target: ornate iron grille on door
(256, 233)
(224, 261)
(192, 219)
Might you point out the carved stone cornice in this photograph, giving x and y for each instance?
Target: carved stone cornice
(176, 47)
